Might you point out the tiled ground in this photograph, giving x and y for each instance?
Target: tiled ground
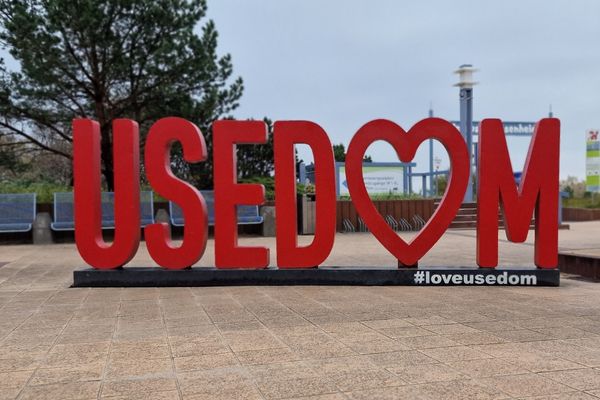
(296, 342)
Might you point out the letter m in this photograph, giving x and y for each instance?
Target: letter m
(537, 192)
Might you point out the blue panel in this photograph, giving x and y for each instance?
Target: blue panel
(247, 214)
(64, 210)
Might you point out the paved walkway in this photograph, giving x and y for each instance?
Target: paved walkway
(297, 342)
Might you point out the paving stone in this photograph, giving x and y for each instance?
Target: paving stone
(401, 359)
(487, 367)
(66, 391)
(217, 383)
(390, 393)
(138, 367)
(427, 373)
(427, 342)
(450, 329)
(72, 373)
(14, 379)
(207, 361)
(324, 343)
(525, 385)
(475, 338)
(384, 345)
(170, 395)
(580, 379)
(538, 363)
(267, 356)
(138, 387)
(296, 387)
(457, 353)
(462, 389)
(388, 323)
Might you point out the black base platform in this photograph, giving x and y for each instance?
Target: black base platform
(158, 277)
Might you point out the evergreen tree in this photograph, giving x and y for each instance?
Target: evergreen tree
(108, 59)
(339, 152)
(256, 160)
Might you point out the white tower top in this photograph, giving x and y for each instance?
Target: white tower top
(465, 76)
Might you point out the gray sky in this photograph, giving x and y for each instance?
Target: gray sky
(343, 63)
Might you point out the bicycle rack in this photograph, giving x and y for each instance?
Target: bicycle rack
(362, 227)
(348, 227)
(392, 222)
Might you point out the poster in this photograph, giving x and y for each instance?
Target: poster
(592, 164)
(378, 179)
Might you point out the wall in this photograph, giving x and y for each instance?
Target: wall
(580, 214)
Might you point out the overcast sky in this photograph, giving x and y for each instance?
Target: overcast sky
(343, 63)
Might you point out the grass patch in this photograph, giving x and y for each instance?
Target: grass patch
(586, 202)
(389, 196)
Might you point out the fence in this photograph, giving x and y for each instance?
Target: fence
(580, 214)
(396, 208)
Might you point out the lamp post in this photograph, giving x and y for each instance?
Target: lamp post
(431, 189)
(437, 161)
(465, 84)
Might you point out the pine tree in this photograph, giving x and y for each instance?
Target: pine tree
(108, 59)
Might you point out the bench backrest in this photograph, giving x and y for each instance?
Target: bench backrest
(64, 210)
(177, 214)
(246, 214)
(17, 208)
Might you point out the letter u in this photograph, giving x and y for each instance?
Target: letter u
(87, 193)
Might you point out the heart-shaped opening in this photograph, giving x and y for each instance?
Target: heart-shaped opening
(405, 145)
(402, 196)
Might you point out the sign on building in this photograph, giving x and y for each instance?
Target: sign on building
(511, 128)
(379, 179)
(592, 164)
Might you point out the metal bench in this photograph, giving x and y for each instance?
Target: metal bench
(246, 214)
(17, 212)
(64, 212)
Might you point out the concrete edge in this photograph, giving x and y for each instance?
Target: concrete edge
(579, 264)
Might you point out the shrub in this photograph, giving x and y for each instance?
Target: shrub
(44, 190)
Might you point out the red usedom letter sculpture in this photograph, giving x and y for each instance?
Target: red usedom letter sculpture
(87, 195)
(538, 190)
(228, 193)
(161, 136)
(286, 135)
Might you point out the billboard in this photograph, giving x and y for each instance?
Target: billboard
(592, 163)
(379, 179)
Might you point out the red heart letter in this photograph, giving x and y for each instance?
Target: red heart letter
(406, 144)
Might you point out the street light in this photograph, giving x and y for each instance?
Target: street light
(431, 176)
(466, 83)
(437, 162)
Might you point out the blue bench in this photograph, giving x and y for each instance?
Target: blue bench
(64, 214)
(246, 214)
(17, 212)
